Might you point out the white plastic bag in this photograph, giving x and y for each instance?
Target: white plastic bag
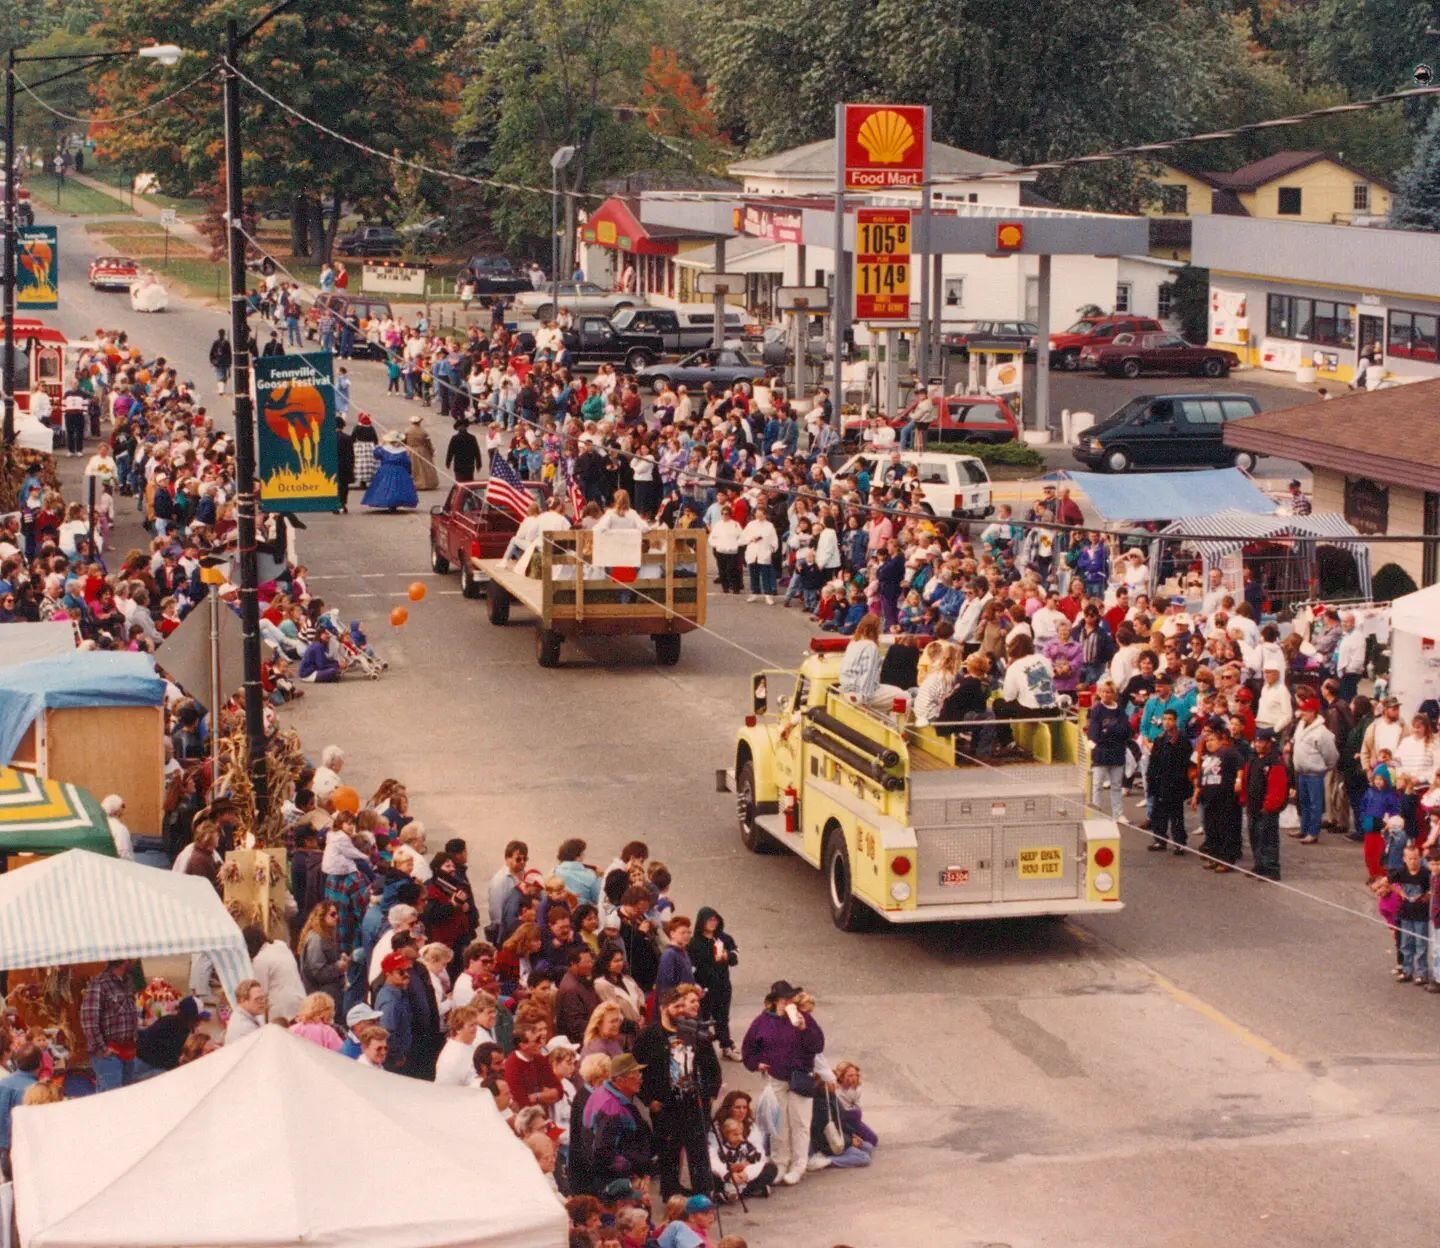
(767, 1112)
(1289, 819)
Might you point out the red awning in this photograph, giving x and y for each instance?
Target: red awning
(615, 225)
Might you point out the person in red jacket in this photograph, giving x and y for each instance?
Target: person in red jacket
(1267, 789)
(527, 1070)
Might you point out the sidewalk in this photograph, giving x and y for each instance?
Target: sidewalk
(144, 208)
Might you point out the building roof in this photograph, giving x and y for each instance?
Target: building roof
(1340, 434)
(1370, 259)
(1226, 203)
(816, 162)
(1259, 172)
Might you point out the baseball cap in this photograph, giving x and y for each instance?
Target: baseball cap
(395, 962)
(1264, 734)
(1309, 704)
(698, 1204)
(189, 1007)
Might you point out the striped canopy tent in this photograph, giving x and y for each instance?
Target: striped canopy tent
(82, 907)
(40, 816)
(1225, 532)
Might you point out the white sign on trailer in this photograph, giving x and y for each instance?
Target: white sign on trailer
(395, 279)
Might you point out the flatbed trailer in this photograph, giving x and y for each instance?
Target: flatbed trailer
(557, 581)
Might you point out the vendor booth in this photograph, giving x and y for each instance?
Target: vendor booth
(223, 1152)
(1415, 648)
(79, 907)
(47, 817)
(1287, 572)
(90, 718)
(23, 642)
(1146, 496)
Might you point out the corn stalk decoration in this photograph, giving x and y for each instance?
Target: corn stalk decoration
(286, 759)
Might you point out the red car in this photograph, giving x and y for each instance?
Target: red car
(1132, 354)
(113, 272)
(1091, 331)
(466, 529)
(963, 418)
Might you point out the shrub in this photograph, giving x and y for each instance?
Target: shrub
(1391, 582)
(1016, 454)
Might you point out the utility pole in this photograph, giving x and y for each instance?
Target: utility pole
(247, 498)
(12, 245)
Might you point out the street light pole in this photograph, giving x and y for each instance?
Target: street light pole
(12, 245)
(561, 157)
(246, 497)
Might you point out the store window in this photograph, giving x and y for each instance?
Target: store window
(1414, 336)
(1360, 200)
(1289, 205)
(954, 292)
(1310, 320)
(1174, 197)
(1122, 297)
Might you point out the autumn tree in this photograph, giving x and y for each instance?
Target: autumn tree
(367, 71)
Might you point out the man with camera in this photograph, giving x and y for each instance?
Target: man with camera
(682, 1076)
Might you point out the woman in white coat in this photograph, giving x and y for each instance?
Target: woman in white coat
(761, 542)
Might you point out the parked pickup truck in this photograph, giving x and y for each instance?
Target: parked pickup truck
(495, 275)
(683, 329)
(466, 529)
(595, 340)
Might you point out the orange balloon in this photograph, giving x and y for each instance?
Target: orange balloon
(416, 591)
(345, 798)
(399, 616)
(143, 375)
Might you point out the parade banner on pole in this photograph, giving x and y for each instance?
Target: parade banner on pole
(37, 268)
(295, 423)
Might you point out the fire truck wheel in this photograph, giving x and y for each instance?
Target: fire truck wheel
(846, 909)
(752, 836)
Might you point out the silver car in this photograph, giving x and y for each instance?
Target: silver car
(580, 297)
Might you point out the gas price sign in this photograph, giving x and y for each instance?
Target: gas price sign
(882, 264)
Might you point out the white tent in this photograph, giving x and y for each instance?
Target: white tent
(245, 1148)
(1415, 648)
(83, 907)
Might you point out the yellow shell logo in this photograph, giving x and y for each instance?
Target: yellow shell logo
(1005, 374)
(1010, 236)
(886, 136)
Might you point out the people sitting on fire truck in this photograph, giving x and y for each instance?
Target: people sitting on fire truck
(860, 668)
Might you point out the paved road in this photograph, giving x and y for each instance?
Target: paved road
(1225, 1061)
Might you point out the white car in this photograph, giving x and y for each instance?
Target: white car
(952, 487)
(579, 297)
(148, 295)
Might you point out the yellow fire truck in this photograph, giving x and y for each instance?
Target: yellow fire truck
(907, 825)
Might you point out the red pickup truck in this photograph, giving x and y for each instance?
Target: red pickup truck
(466, 529)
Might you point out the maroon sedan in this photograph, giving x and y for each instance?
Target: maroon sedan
(1129, 355)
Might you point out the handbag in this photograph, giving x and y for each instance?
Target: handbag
(834, 1134)
(802, 1082)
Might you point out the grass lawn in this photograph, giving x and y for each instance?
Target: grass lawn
(121, 180)
(74, 199)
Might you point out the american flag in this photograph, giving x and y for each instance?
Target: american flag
(573, 492)
(506, 489)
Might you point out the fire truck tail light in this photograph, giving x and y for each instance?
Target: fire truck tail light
(1104, 882)
(900, 892)
(900, 865)
(1104, 856)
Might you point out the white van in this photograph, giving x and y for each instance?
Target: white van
(954, 487)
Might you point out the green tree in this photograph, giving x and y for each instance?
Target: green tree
(367, 71)
(36, 128)
(565, 73)
(1365, 47)
(1417, 192)
(1190, 302)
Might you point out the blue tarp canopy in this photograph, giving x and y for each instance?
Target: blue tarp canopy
(79, 679)
(1171, 495)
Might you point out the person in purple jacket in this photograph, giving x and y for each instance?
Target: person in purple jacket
(781, 1044)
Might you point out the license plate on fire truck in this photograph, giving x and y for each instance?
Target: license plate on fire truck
(955, 875)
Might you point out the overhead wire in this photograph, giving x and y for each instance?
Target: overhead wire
(118, 117)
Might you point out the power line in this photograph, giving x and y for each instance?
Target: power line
(94, 121)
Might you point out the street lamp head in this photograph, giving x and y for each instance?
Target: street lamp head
(166, 53)
(562, 157)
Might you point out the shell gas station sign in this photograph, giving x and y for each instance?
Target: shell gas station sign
(885, 146)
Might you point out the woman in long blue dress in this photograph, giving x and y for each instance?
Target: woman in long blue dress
(393, 487)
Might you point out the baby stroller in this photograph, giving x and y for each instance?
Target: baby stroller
(359, 654)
